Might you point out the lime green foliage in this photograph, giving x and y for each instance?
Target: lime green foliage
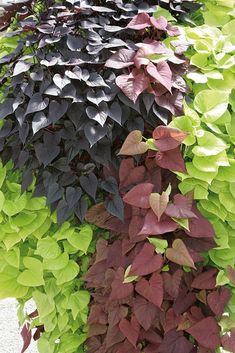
(45, 262)
(210, 122)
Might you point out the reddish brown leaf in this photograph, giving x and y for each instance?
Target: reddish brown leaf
(183, 302)
(175, 342)
(181, 208)
(146, 262)
(133, 144)
(138, 196)
(152, 290)
(206, 332)
(126, 347)
(116, 313)
(114, 336)
(172, 282)
(153, 227)
(130, 329)
(96, 330)
(206, 280)
(218, 299)
(168, 138)
(231, 274)
(145, 312)
(179, 254)
(26, 334)
(200, 227)
(129, 174)
(171, 160)
(228, 341)
(120, 290)
(97, 215)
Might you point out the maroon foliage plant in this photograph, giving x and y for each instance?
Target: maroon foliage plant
(152, 290)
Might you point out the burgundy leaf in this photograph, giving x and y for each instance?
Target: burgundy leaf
(200, 227)
(129, 174)
(140, 21)
(206, 332)
(114, 336)
(171, 160)
(133, 84)
(172, 282)
(117, 313)
(154, 227)
(152, 290)
(120, 290)
(175, 342)
(127, 347)
(228, 341)
(181, 208)
(218, 299)
(172, 102)
(179, 254)
(26, 334)
(122, 58)
(138, 196)
(96, 274)
(146, 262)
(184, 301)
(206, 280)
(96, 330)
(168, 138)
(130, 329)
(162, 73)
(171, 320)
(133, 144)
(145, 312)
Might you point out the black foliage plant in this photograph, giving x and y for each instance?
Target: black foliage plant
(180, 9)
(65, 115)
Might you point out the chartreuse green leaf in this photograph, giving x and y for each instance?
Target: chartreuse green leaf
(82, 239)
(78, 301)
(159, 244)
(33, 275)
(45, 304)
(48, 248)
(211, 103)
(69, 272)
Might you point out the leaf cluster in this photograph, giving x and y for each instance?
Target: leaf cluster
(209, 122)
(64, 112)
(153, 290)
(44, 262)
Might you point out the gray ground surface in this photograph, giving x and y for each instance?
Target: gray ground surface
(10, 339)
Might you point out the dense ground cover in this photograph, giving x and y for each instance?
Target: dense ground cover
(119, 226)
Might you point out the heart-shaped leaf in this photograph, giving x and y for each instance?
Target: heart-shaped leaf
(152, 290)
(158, 203)
(218, 299)
(179, 254)
(168, 138)
(206, 332)
(133, 144)
(130, 329)
(120, 290)
(146, 262)
(138, 196)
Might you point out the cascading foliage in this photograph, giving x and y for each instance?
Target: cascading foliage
(88, 88)
(209, 122)
(77, 89)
